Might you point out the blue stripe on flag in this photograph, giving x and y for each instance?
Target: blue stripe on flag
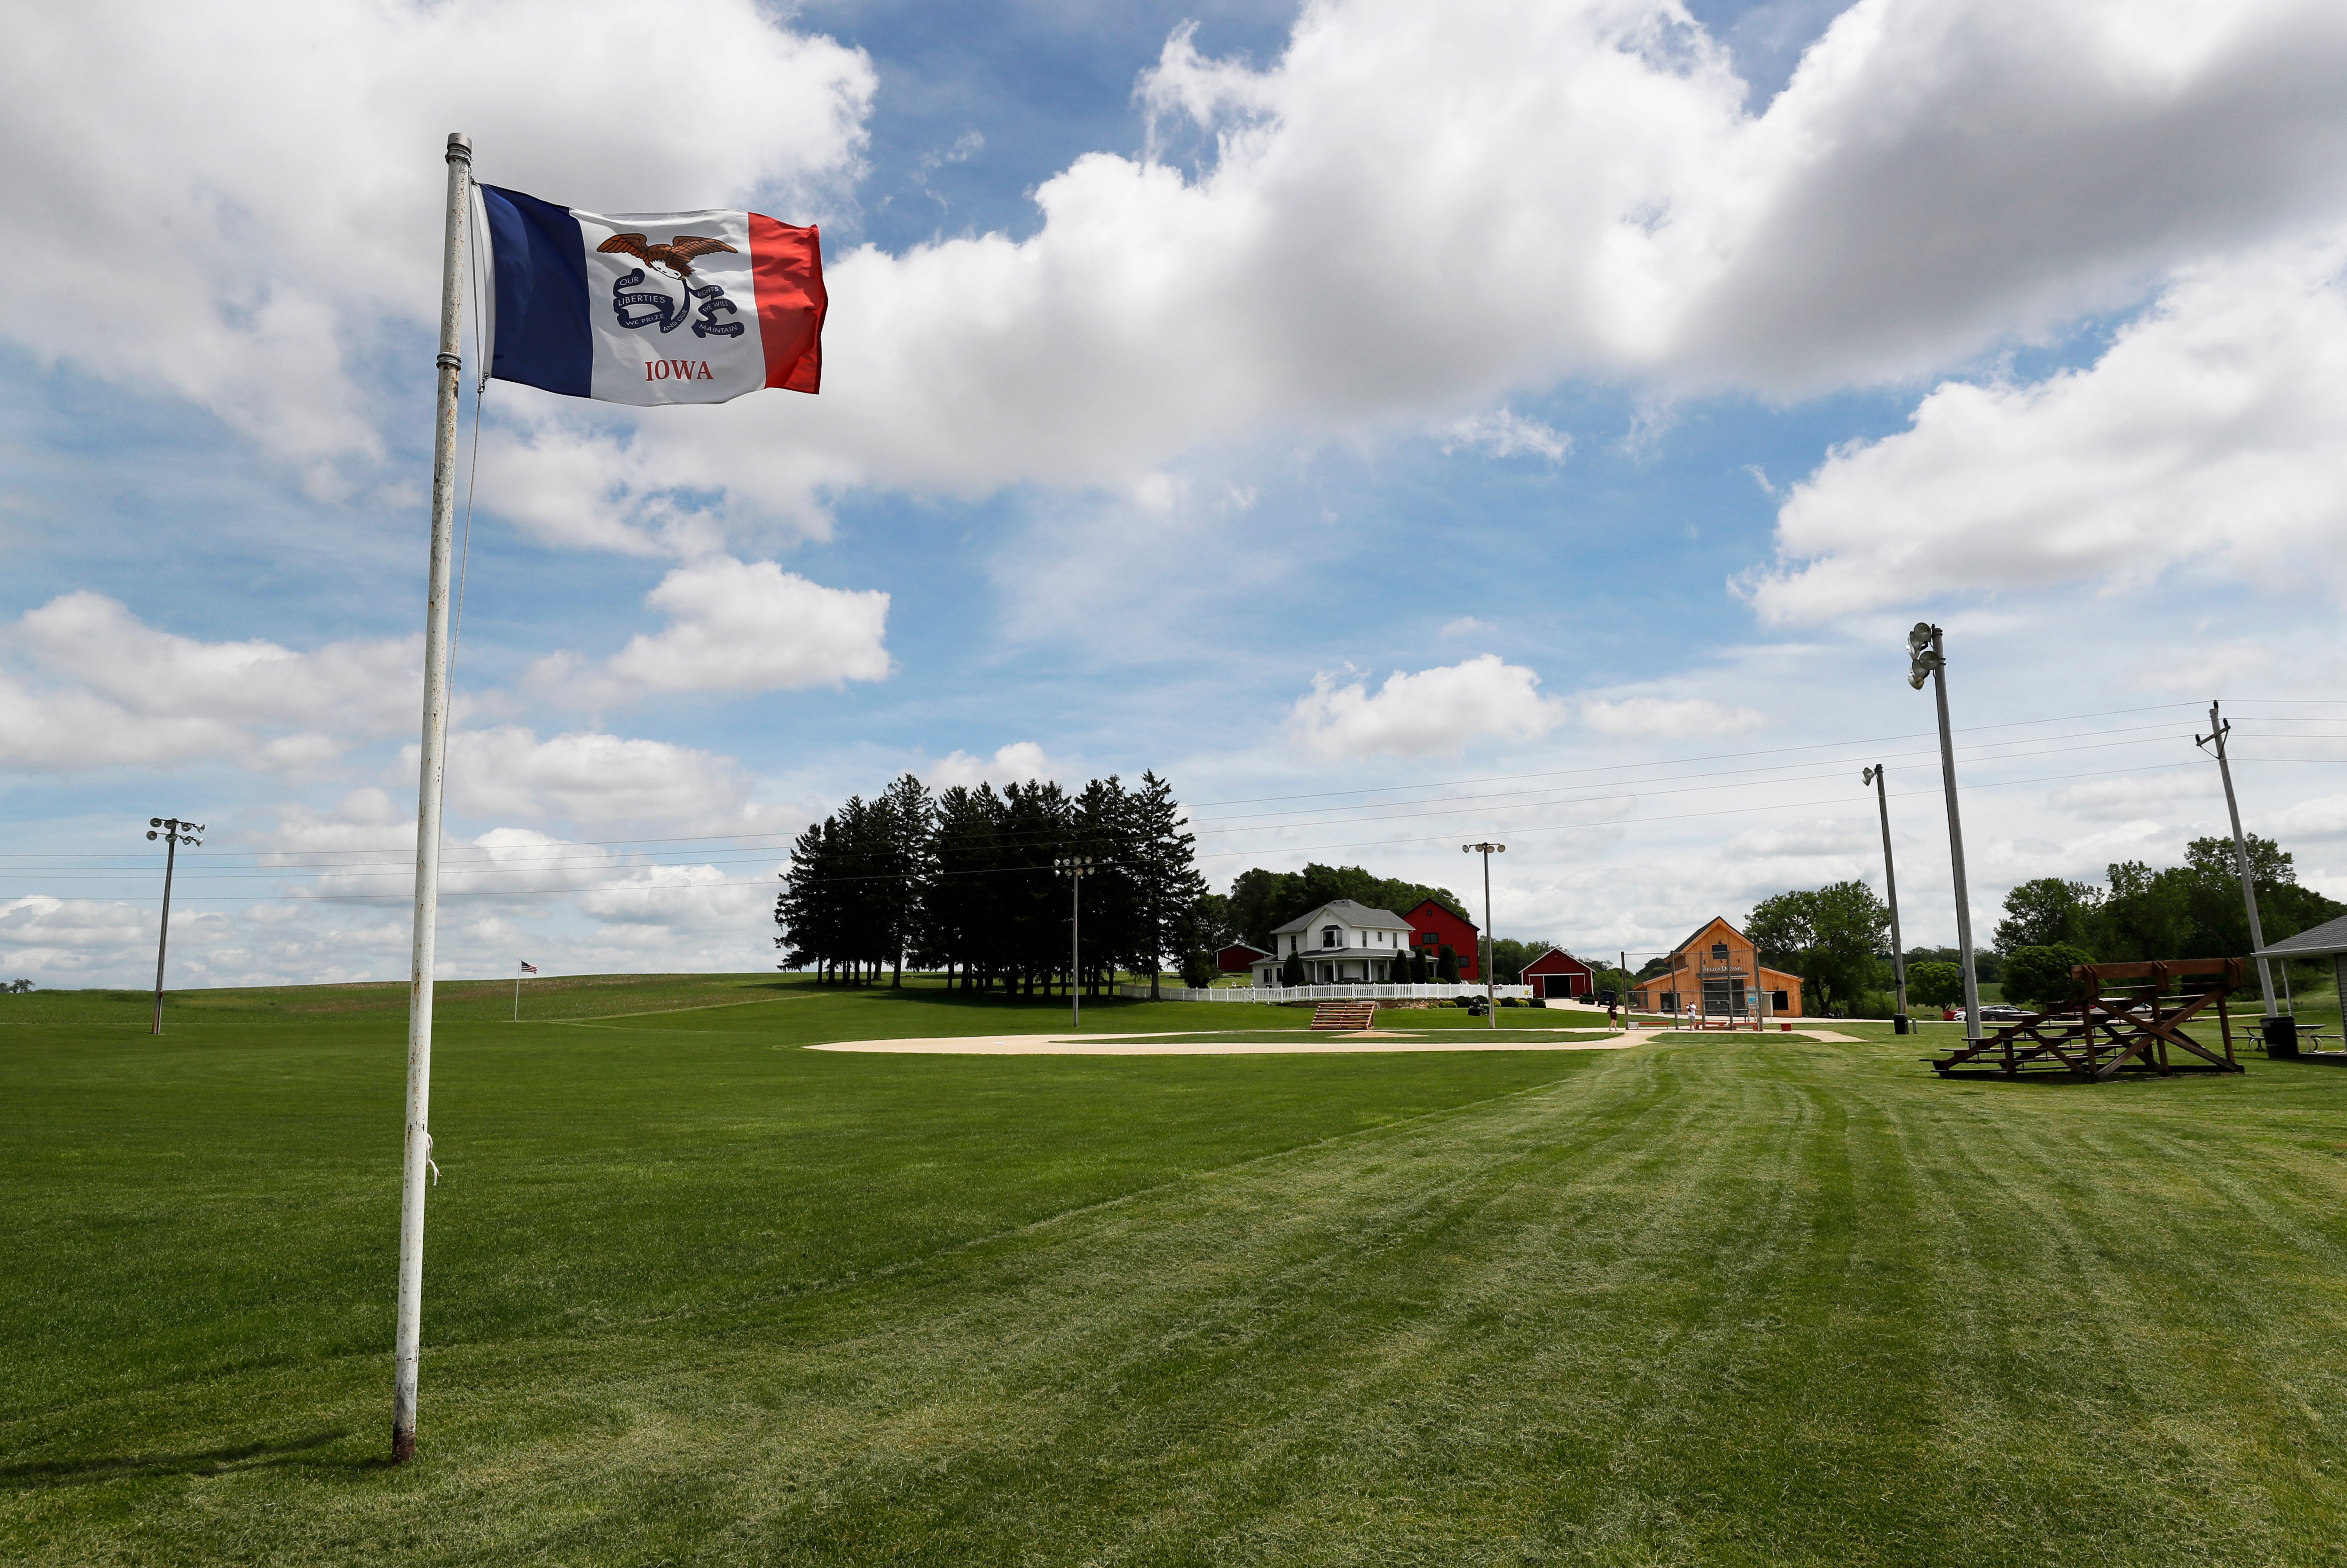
(541, 265)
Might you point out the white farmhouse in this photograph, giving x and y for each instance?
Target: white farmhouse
(1340, 943)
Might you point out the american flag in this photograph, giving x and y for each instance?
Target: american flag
(529, 968)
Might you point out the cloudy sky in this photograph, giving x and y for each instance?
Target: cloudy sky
(1396, 424)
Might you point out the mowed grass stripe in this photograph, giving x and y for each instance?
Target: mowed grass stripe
(1724, 1302)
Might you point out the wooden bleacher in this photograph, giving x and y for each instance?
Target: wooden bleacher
(2101, 1036)
(1346, 1016)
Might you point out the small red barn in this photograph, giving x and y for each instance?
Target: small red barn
(1557, 973)
(1434, 927)
(1239, 957)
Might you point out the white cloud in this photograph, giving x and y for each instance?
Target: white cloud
(1433, 712)
(1467, 626)
(2127, 798)
(2322, 818)
(1020, 761)
(1805, 841)
(1667, 717)
(1587, 195)
(251, 284)
(69, 935)
(734, 625)
(95, 686)
(683, 899)
(2207, 432)
(1504, 433)
(594, 779)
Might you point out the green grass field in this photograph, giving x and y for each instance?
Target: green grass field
(697, 1295)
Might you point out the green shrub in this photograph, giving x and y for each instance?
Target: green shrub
(1934, 985)
(2042, 975)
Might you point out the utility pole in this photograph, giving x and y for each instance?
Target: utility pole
(175, 832)
(1490, 1003)
(1927, 659)
(431, 765)
(2218, 728)
(1900, 1023)
(1074, 867)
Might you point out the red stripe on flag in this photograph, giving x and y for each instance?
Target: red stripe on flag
(786, 263)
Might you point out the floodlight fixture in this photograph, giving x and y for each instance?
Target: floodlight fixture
(1874, 777)
(1074, 868)
(1927, 660)
(1924, 655)
(173, 833)
(1491, 1004)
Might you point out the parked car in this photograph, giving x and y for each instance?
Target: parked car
(2002, 1012)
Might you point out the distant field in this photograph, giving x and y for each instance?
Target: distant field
(699, 1297)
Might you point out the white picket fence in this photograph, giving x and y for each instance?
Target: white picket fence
(1361, 993)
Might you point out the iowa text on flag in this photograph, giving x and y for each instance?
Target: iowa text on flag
(652, 307)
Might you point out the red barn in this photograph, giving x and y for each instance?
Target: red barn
(1238, 958)
(1557, 973)
(1433, 927)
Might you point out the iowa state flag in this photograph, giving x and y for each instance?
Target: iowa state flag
(652, 307)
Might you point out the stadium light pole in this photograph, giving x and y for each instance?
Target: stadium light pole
(173, 833)
(1074, 867)
(1900, 1023)
(2218, 728)
(1491, 1003)
(1927, 660)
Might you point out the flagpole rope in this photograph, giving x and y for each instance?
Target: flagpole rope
(473, 464)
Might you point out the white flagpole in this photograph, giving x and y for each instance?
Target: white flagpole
(419, 1152)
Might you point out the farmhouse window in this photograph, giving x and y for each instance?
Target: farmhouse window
(1329, 936)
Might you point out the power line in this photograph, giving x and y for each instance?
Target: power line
(558, 858)
(389, 899)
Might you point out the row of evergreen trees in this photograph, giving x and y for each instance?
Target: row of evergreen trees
(968, 881)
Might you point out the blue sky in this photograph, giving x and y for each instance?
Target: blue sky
(1337, 407)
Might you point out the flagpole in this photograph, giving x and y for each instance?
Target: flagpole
(431, 764)
(517, 993)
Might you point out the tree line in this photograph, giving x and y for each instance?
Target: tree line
(2189, 911)
(1260, 902)
(968, 881)
(1836, 938)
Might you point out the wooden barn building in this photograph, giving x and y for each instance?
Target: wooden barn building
(1712, 972)
(1239, 957)
(1434, 927)
(1557, 973)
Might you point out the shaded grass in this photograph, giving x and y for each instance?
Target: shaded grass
(697, 1297)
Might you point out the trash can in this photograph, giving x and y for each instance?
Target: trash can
(1902, 1024)
(2282, 1035)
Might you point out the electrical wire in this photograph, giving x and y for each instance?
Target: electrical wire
(541, 860)
(1853, 814)
(501, 856)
